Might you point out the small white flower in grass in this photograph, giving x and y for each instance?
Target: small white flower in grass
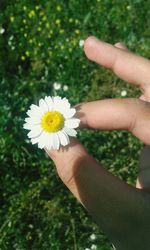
(93, 247)
(51, 123)
(92, 236)
(2, 30)
(81, 43)
(9, 224)
(123, 93)
(65, 88)
(57, 85)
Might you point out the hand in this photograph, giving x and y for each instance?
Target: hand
(122, 211)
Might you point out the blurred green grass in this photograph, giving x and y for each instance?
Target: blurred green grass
(40, 45)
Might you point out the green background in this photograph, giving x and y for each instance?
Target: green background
(39, 45)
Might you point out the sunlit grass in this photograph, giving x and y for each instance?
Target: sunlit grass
(41, 47)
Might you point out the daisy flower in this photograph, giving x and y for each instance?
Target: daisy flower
(57, 85)
(65, 88)
(2, 30)
(81, 43)
(123, 93)
(51, 123)
(93, 247)
(92, 236)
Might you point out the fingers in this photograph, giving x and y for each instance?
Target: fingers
(127, 114)
(107, 114)
(132, 68)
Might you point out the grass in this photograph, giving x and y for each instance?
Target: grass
(39, 45)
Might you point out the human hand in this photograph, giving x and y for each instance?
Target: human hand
(122, 211)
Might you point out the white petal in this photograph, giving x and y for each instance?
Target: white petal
(37, 110)
(35, 132)
(59, 108)
(69, 113)
(32, 120)
(35, 114)
(42, 140)
(49, 102)
(30, 113)
(34, 108)
(43, 105)
(35, 140)
(72, 123)
(49, 142)
(66, 102)
(64, 138)
(60, 103)
(56, 142)
(70, 131)
(28, 126)
(56, 99)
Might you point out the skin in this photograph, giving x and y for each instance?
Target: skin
(121, 210)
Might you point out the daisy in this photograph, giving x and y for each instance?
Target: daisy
(65, 88)
(93, 247)
(123, 93)
(57, 85)
(2, 30)
(51, 123)
(92, 236)
(81, 43)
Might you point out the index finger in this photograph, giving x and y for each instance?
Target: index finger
(126, 114)
(128, 66)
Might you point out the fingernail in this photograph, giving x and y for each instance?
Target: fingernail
(90, 40)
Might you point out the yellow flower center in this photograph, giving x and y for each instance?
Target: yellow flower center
(52, 121)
